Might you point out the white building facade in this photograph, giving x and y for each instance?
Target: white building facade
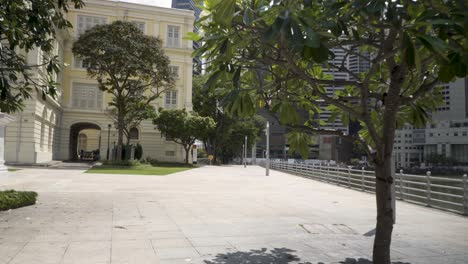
(446, 135)
(57, 129)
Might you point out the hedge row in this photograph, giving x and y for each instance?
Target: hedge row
(12, 199)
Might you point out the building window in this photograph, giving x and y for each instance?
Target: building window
(86, 96)
(173, 36)
(139, 25)
(79, 63)
(171, 99)
(455, 134)
(134, 133)
(87, 22)
(170, 153)
(174, 71)
(464, 134)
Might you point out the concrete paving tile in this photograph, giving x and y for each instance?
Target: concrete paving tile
(209, 241)
(177, 253)
(92, 252)
(214, 250)
(41, 252)
(164, 234)
(183, 261)
(133, 251)
(9, 249)
(128, 232)
(92, 233)
(171, 243)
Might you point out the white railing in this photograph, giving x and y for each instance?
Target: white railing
(446, 193)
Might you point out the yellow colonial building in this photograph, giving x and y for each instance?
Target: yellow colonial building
(58, 129)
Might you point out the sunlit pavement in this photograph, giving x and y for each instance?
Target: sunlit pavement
(213, 215)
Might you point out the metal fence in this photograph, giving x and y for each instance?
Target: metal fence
(446, 193)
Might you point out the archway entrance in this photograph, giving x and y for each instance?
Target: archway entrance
(85, 141)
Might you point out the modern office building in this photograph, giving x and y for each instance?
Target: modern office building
(56, 129)
(446, 134)
(334, 147)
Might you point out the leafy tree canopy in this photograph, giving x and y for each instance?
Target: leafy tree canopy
(226, 140)
(24, 26)
(279, 54)
(183, 128)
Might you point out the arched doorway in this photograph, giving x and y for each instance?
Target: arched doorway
(85, 139)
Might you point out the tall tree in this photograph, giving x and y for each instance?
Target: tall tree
(24, 26)
(127, 64)
(183, 128)
(413, 46)
(225, 141)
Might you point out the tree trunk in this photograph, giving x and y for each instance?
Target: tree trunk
(187, 150)
(385, 212)
(120, 129)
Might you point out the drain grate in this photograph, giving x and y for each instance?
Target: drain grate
(327, 229)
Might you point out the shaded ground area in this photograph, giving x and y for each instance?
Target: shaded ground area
(212, 215)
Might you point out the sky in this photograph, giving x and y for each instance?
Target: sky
(163, 3)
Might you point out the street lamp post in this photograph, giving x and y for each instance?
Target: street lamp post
(267, 161)
(245, 152)
(108, 140)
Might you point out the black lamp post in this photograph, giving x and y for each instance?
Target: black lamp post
(108, 140)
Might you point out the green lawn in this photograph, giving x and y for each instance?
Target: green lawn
(138, 170)
(11, 169)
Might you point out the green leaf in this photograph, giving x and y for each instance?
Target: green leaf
(193, 36)
(299, 141)
(288, 114)
(248, 16)
(225, 12)
(213, 78)
(236, 78)
(312, 39)
(409, 51)
(272, 32)
(446, 73)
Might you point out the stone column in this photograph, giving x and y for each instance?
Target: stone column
(4, 120)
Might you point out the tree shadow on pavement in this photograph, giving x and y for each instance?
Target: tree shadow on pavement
(257, 256)
(364, 261)
(275, 256)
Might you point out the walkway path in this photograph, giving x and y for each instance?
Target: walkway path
(221, 215)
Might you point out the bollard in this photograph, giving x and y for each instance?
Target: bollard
(363, 183)
(400, 176)
(349, 176)
(465, 194)
(428, 188)
(328, 172)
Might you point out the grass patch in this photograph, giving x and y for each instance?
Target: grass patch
(12, 199)
(11, 169)
(138, 170)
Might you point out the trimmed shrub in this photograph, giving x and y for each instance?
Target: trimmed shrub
(138, 151)
(12, 199)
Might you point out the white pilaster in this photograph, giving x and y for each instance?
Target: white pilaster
(4, 120)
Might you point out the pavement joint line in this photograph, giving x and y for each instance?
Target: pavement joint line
(65, 252)
(16, 254)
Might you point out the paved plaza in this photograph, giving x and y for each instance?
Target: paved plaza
(214, 215)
